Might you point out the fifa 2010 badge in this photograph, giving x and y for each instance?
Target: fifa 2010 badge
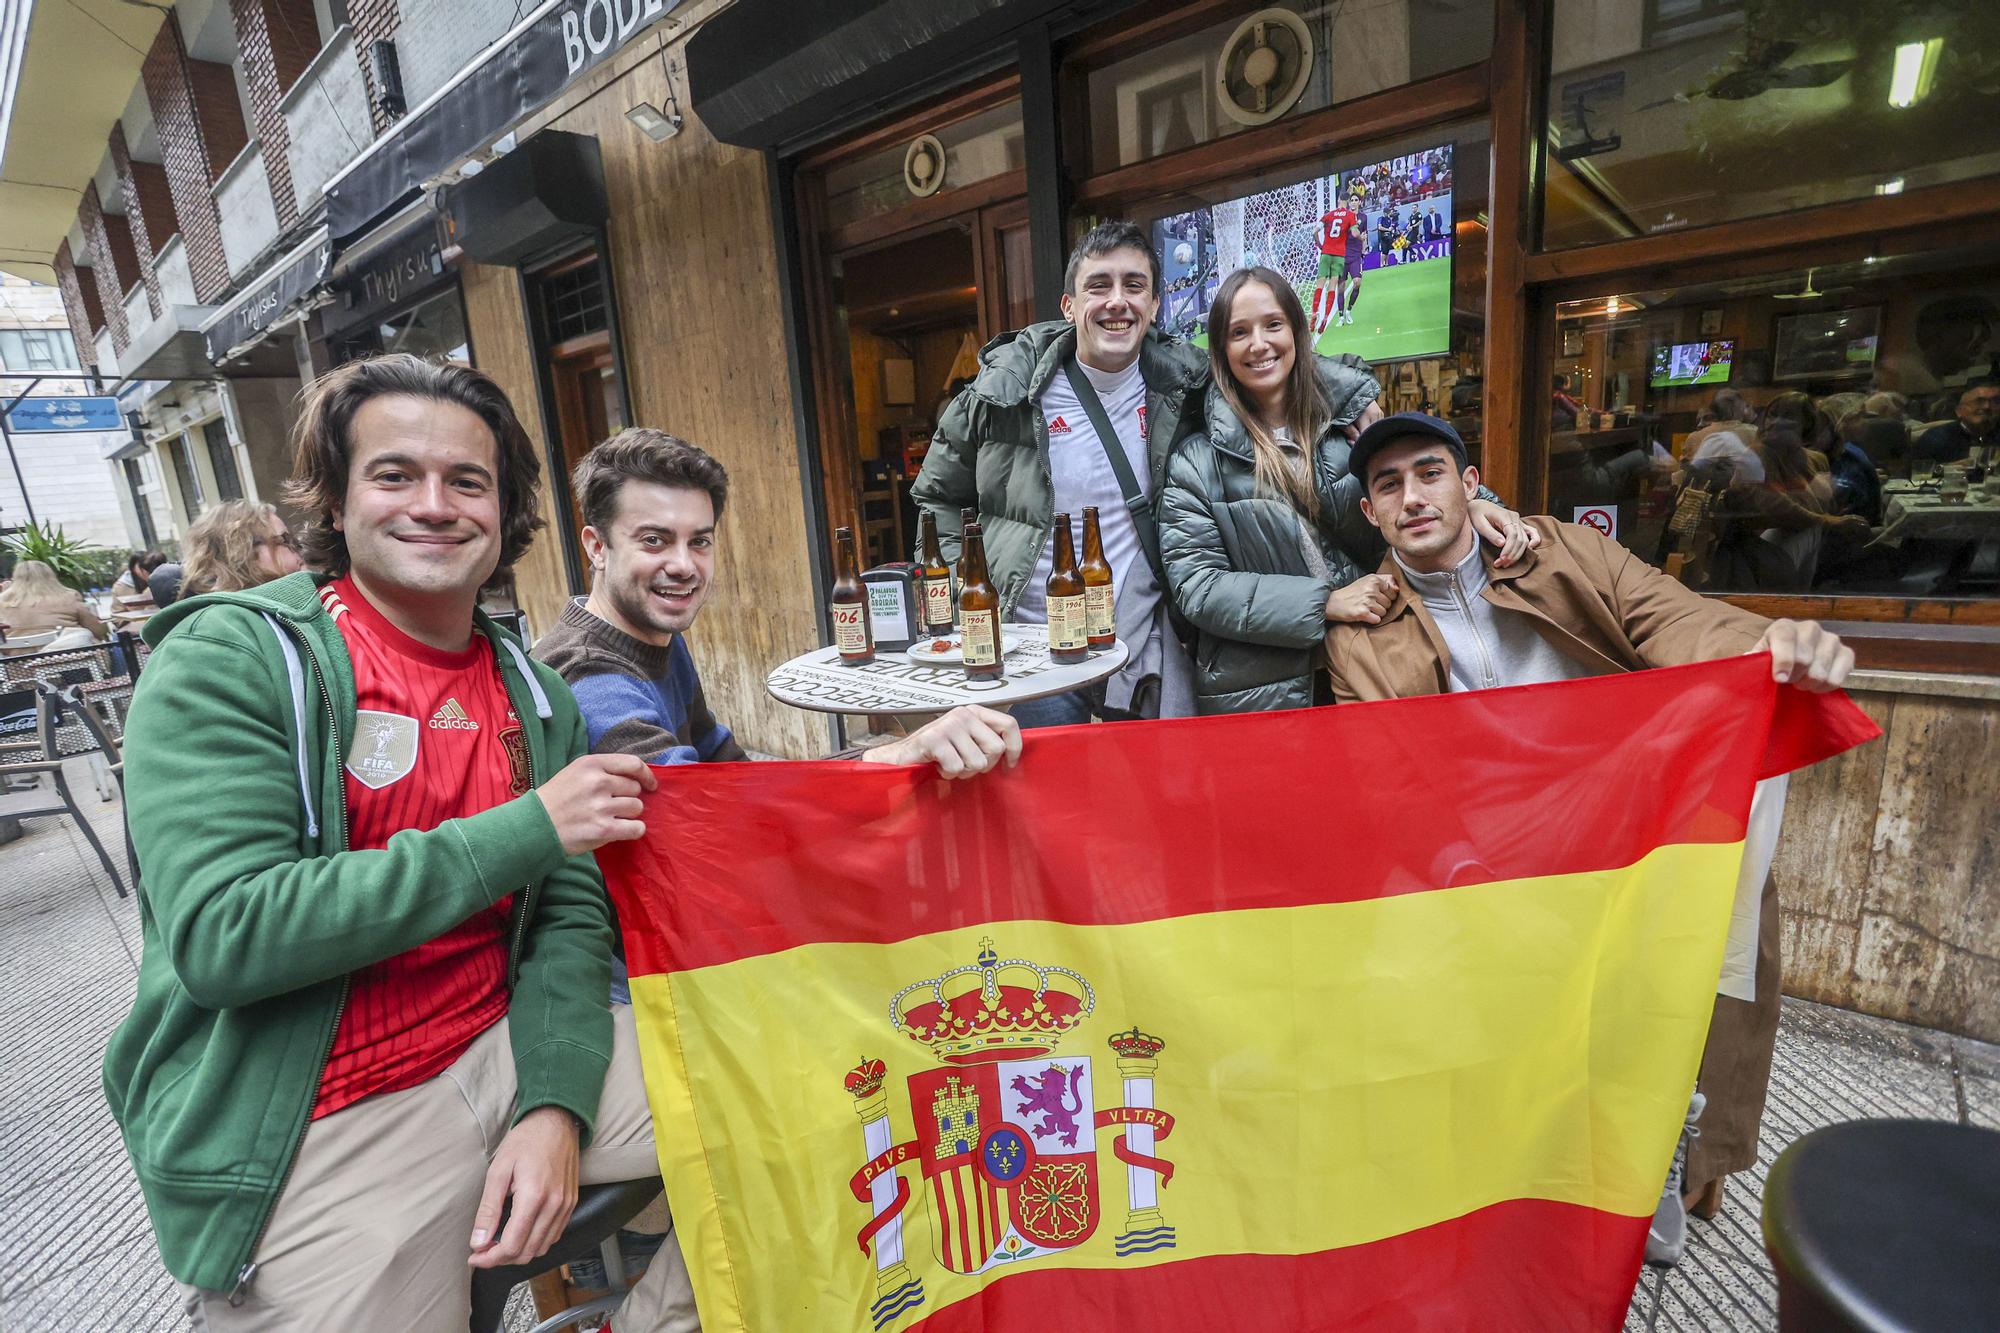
(1007, 1134)
(384, 749)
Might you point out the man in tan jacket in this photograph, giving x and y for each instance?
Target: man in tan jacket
(1578, 605)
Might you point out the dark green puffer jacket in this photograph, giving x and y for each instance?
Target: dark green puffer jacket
(1236, 565)
(991, 450)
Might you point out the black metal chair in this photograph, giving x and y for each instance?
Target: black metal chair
(42, 758)
(1887, 1226)
(593, 1228)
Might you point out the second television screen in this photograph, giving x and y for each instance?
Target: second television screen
(1368, 250)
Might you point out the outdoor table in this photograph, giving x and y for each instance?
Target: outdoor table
(1887, 1225)
(893, 685)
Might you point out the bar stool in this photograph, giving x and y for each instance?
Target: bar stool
(1886, 1226)
(593, 1227)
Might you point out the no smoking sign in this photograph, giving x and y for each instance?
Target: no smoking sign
(1604, 518)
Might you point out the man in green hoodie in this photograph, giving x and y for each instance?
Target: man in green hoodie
(370, 1049)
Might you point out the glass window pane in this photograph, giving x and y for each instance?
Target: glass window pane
(222, 460)
(1828, 430)
(1414, 295)
(1165, 98)
(977, 148)
(1681, 113)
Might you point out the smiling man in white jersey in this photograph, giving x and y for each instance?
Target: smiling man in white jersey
(1021, 443)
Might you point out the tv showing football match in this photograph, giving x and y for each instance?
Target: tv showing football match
(1368, 250)
(1677, 365)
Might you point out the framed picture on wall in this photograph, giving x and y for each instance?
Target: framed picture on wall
(1711, 322)
(1825, 344)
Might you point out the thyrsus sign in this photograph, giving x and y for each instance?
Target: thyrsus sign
(592, 29)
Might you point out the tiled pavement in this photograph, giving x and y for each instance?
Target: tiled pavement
(76, 1252)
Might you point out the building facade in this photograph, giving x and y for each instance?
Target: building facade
(784, 231)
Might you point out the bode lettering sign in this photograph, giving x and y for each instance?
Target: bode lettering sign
(592, 29)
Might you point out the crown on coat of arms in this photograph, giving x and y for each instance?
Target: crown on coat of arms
(1136, 1045)
(865, 1079)
(993, 1009)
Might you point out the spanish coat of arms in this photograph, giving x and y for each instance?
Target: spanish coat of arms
(1007, 1132)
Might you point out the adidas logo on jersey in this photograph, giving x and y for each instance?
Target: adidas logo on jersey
(451, 717)
(1058, 427)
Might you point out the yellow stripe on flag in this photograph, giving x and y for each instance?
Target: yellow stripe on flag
(1411, 1058)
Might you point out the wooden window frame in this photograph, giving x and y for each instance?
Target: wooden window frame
(1916, 634)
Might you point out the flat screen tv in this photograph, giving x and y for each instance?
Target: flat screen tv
(1677, 365)
(1368, 250)
(1826, 345)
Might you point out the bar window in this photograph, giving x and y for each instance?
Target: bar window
(1686, 113)
(1413, 306)
(1166, 98)
(1832, 429)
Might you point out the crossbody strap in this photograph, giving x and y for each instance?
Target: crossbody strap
(1137, 502)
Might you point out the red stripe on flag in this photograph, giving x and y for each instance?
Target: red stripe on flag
(944, 1215)
(964, 1236)
(1438, 792)
(1524, 1266)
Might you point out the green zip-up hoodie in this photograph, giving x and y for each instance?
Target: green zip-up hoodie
(253, 912)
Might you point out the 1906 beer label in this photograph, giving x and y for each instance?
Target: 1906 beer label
(1100, 612)
(937, 603)
(980, 641)
(849, 634)
(1068, 631)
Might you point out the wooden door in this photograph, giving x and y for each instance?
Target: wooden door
(584, 376)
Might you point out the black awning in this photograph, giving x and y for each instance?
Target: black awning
(515, 77)
(764, 73)
(263, 303)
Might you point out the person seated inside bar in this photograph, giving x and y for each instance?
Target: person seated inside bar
(1072, 414)
(1577, 605)
(1973, 435)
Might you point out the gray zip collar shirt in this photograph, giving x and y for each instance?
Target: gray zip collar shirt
(1489, 645)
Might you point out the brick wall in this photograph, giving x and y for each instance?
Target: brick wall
(149, 232)
(80, 302)
(372, 21)
(188, 159)
(278, 38)
(113, 266)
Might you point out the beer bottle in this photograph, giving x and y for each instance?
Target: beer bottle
(1069, 638)
(852, 634)
(978, 611)
(967, 518)
(1100, 600)
(934, 580)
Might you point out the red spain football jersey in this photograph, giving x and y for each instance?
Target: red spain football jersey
(435, 738)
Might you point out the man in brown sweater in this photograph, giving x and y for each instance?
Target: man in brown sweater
(1577, 605)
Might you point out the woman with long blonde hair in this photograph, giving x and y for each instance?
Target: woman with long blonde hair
(1261, 528)
(36, 601)
(237, 545)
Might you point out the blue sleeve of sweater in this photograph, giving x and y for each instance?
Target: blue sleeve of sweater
(609, 699)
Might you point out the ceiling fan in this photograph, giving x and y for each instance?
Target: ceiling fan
(1808, 292)
(1760, 69)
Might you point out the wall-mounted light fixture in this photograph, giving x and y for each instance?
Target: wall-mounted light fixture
(1915, 70)
(658, 125)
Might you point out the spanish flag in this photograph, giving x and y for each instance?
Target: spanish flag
(1382, 1016)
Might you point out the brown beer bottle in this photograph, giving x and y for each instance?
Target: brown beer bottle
(978, 610)
(1100, 600)
(934, 580)
(967, 518)
(1069, 637)
(852, 634)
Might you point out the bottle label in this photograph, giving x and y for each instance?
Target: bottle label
(1100, 611)
(981, 642)
(850, 633)
(1067, 630)
(937, 602)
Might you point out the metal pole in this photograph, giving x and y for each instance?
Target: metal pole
(7, 437)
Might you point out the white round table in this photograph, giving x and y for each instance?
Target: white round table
(894, 685)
